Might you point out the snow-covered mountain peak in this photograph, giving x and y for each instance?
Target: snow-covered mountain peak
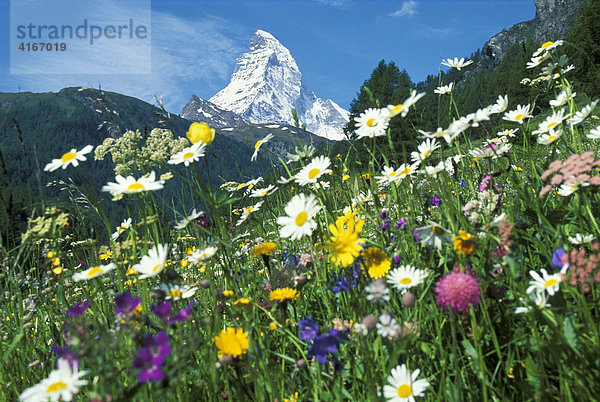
(266, 85)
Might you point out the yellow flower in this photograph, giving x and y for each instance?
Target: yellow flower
(106, 255)
(243, 302)
(200, 132)
(273, 326)
(131, 271)
(190, 250)
(228, 293)
(264, 249)
(57, 270)
(376, 262)
(465, 243)
(231, 341)
(345, 245)
(56, 262)
(284, 294)
(184, 263)
(345, 177)
(51, 255)
(365, 176)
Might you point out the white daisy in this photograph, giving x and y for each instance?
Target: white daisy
(299, 220)
(549, 138)
(594, 134)
(64, 382)
(130, 185)
(302, 152)
(315, 169)
(93, 272)
(517, 115)
(202, 255)
(455, 128)
(124, 226)
(500, 105)
(537, 60)
(154, 262)
(249, 210)
(545, 282)
(583, 114)
(562, 98)
(372, 123)
(508, 132)
(389, 175)
(188, 155)
(569, 188)
(444, 89)
(177, 292)
(403, 108)
(404, 386)
(547, 46)
(490, 151)
(434, 235)
(434, 170)
(539, 298)
(189, 219)
(456, 63)
(249, 184)
(551, 122)
(73, 157)
(581, 239)
(258, 144)
(439, 133)
(405, 277)
(263, 192)
(424, 150)
(321, 184)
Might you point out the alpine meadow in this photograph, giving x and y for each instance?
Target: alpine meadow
(440, 241)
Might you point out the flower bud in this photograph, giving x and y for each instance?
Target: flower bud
(408, 299)
(369, 322)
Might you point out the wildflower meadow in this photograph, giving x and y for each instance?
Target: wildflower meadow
(468, 270)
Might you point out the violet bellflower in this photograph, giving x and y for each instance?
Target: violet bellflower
(78, 309)
(126, 304)
(151, 359)
(309, 329)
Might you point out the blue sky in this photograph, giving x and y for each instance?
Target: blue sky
(336, 43)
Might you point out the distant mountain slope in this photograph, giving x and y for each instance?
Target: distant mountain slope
(201, 110)
(266, 85)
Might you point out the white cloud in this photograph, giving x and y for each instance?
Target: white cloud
(408, 8)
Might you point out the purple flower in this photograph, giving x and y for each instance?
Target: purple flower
(383, 214)
(462, 183)
(435, 201)
(385, 225)
(78, 309)
(66, 354)
(416, 235)
(401, 223)
(397, 259)
(560, 258)
(151, 358)
(162, 309)
(486, 182)
(322, 345)
(457, 291)
(342, 282)
(182, 315)
(309, 329)
(126, 304)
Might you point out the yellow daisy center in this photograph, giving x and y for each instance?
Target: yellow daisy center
(405, 281)
(135, 186)
(426, 153)
(550, 282)
(257, 144)
(372, 122)
(397, 108)
(175, 293)
(547, 44)
(552, 138)
(157, 267)
(94, 271)
(393, 174)
(188, 155)
(552, 125)
(67, 157)
(406, 171)
(56, 387)
(404, 391)
(301, 218)
(519, 116)
(313, 173)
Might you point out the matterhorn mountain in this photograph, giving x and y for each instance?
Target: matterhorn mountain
(266, 85)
